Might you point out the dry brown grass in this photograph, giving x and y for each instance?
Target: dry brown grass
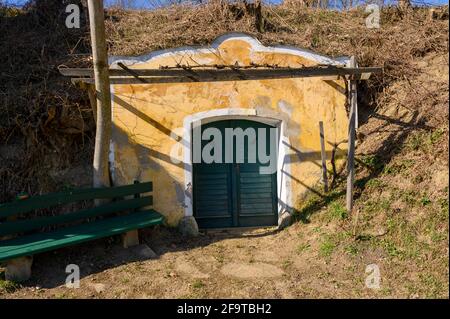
(46, 123)
(402, 38)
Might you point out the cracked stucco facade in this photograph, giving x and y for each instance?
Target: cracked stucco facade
(149, 120)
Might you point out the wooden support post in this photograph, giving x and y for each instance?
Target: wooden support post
(130, 239)
(324, 158)
(351, 142)
(103, 94)
(19, 269)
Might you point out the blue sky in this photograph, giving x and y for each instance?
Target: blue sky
(149, 3)
(152, 3)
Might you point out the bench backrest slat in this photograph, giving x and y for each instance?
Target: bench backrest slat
(70, 196)
(13, 227)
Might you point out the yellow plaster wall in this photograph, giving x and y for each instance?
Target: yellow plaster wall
(145, 114)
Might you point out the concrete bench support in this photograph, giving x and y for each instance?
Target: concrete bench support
(130, 239)
(19, 269)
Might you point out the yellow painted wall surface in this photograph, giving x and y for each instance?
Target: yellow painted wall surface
(145, 114)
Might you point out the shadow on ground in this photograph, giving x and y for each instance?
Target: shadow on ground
(395, 132)
(49, 269)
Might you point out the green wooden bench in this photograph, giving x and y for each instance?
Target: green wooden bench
(123, 213)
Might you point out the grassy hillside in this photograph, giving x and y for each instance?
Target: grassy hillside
(400, 220)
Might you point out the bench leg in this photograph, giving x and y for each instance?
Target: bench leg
(19, 269)
(130, 238)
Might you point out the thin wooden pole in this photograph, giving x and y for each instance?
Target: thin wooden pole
(92, 100)
(103, 94)
(324, 158)
(351, 142)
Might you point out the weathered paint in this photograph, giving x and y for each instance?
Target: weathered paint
(144, 115)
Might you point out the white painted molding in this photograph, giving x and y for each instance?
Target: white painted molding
(284, 192)
(253, 42)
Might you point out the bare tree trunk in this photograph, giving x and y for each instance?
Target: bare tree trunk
(259, 20)
(103, 94)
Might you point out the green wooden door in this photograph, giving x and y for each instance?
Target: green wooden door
(235, 194)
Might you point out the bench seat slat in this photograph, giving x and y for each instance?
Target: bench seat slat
(75, 195)
(37, 243)
(113, 207)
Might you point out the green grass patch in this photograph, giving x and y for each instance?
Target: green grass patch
(374, 183)
(337, 211)
(400, 167)
(315, 202)
(198, 284)
(433, 286)
(392, 248)
(436, 135)
(381, 205)
(409, 197)
(443, 203)
(423, 141)
(302, 247)
(327, 247)
(425, 200)
(287, 263)
(352, 249)
(7, 286)
(372, 162)
(438, 237)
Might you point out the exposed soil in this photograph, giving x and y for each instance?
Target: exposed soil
(259, 263)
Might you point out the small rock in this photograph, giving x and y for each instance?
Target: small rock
(188, 226)
(284, 220)
(99, 288)
(144, 251)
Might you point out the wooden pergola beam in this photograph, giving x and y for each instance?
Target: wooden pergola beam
(131, 72)
(136, 76)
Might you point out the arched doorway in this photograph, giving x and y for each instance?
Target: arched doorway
(233, 183)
